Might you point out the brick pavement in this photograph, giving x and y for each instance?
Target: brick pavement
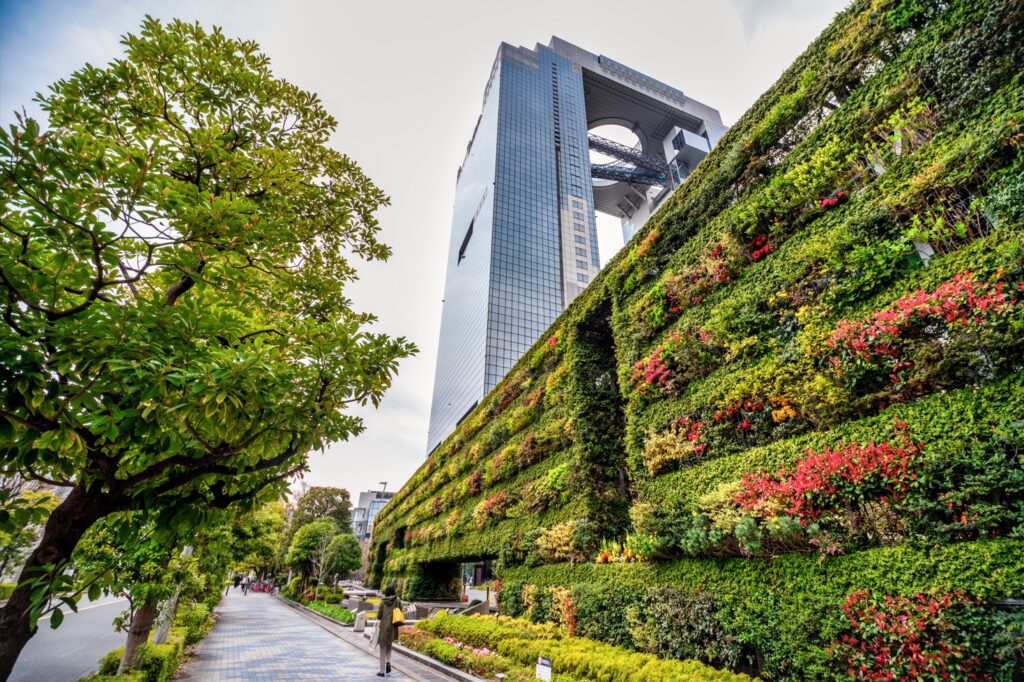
(259, 639)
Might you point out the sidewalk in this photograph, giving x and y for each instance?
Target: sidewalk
(259, 639)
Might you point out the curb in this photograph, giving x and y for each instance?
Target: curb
(454, 673)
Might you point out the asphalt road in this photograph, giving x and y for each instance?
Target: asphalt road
(75, 648)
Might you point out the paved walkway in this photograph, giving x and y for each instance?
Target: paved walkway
(259, 639)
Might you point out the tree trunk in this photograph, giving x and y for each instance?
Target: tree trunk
(138, 633)
(163, 630)
(65, 527)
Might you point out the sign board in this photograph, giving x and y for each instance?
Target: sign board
(544, 668)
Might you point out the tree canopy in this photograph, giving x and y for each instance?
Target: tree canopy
(321, 502)
(174, 252)
(307, 542)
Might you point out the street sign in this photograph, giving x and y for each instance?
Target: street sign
(544, 668)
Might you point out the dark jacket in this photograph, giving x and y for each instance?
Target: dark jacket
(388, 631)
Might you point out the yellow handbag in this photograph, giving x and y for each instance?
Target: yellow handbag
(397, 617)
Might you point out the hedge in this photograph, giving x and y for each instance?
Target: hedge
(785, 611)
(794, 390)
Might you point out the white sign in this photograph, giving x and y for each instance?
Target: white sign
(544, 668)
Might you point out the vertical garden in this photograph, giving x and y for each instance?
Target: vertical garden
(782, 431)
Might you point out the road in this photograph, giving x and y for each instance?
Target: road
(74, 649)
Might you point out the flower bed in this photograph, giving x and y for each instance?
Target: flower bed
(331, 611)
(486, 646)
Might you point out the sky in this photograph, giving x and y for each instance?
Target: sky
(405, 80)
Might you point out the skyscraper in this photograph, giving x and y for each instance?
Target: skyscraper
(524, 236)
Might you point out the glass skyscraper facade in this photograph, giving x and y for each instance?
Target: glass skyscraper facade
(524, 236)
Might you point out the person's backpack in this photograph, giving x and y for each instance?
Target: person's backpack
(397, 617)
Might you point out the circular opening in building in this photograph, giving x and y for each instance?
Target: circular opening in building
(616, 133)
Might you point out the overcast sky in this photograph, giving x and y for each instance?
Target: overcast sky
(405, 80)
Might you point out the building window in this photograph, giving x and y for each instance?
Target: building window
(581, 264)
(579, 227)
(577, 204)
(581, 252)
(582, 278)
(465, 242)
(577, 215)
(580, 239)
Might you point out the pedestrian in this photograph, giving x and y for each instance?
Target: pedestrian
(387, 628)
(238, 579)
(245, 585)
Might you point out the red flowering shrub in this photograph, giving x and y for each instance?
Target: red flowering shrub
(475, 481)
(511, 391)
(689, 287)
(832, 200)
(760, 247)
(905, 638)
(684, 356)
(875, 347)
(830, 481)
(651, 371)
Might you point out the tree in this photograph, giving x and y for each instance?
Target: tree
(174, 251)
(305, 546)
(124, 554)
(346, 554)
(318, 503)
(23, 509)
(256, 536)
(323, 503)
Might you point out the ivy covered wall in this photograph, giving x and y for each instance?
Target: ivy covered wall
(797, 397)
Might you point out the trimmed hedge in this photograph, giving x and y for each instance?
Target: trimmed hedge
(336, 612)
(580, 658)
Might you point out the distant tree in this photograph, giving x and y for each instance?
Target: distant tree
(306, 545)
(255, 537)
(319, 502)
(174, 330)
(346, 554)
(323, 503)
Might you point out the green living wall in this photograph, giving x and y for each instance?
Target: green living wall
(787, 419)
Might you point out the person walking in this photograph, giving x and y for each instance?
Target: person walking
(387, 628)
(245, 585)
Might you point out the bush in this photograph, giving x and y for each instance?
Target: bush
(6, 589)
(157, 662)
(521, 641)
(195, 621)
(293, 588)
(331, 611)
(135, 676)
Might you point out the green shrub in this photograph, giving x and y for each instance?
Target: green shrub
(293, 588)
(590, 660)
(157, 662)
(332, 611)
(6, 589)
(134, 676)
(195, 621)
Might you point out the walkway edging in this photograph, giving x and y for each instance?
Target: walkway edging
(454, 673)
